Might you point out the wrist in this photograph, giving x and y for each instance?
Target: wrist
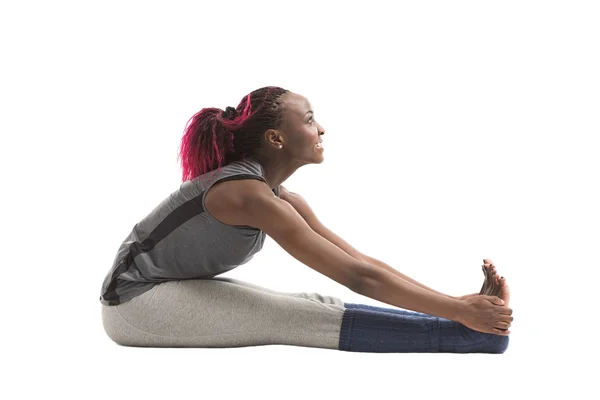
(458, 309)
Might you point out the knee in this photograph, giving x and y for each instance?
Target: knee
(112, 326)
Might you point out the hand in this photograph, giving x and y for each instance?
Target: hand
(486, 314)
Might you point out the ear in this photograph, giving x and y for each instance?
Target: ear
(273, 137)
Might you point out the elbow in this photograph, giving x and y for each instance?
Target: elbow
(364, 275)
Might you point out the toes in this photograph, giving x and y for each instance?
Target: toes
(489, 278)
(497, 286)
(488, 263)
(489, 266)
(494, 278)
(487, 283)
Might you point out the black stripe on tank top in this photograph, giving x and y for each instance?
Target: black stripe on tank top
(176, 218)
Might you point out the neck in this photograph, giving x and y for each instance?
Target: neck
(277, 169)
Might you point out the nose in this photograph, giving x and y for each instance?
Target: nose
(320, 129)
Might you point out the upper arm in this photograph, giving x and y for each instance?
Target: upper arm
(278, 219)
(302, 207)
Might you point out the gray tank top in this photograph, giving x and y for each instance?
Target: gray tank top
(179, 239)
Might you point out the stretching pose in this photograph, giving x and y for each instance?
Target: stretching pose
(162, 290)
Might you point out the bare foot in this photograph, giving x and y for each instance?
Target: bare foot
(497, 285)
(504, 291)
(495, 279)
(486, 282)
(490, 286)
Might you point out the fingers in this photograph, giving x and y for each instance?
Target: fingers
(503, 322)
(503, 310)
(495, 300)
(502, 325)
(495, 331)
(506, 318)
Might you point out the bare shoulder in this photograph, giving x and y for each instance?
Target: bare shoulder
(283, 192)
(260, 207)
(251, 202)
(300, 205)
(288, 196)
(225, 200)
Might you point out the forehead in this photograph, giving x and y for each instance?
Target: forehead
(296, 105)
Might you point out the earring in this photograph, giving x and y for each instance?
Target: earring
(280, 146)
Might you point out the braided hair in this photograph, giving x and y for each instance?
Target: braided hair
(213, 137)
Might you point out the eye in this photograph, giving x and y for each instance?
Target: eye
(310, 119)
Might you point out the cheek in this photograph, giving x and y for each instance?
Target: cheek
(304, 136)
(309, 135)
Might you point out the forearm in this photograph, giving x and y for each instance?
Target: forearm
(386, 267)
(384, 286)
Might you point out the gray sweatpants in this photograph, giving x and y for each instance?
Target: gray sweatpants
(224, 312)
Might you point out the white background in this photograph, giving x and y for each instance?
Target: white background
(454, 131)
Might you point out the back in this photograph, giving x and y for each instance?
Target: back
(180, 239)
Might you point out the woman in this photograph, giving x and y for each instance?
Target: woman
(162, 290)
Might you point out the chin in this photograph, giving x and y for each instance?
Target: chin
(317, 157)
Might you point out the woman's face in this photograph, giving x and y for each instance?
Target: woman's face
(300, 132)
